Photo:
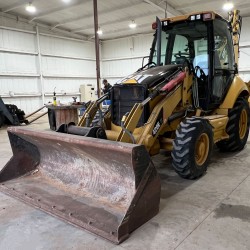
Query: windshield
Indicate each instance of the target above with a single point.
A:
(184, 41)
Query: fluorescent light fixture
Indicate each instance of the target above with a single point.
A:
(132, 25)
(99, 31)
(228, 6)
(30, 8)
(66, 1)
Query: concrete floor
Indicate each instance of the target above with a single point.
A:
(210, 213)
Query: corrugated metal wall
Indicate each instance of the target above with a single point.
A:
(244, 61)
(121, 57)
(64, 64)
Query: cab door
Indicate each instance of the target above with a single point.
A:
(224, 63)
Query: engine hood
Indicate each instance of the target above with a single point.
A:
(150, 77)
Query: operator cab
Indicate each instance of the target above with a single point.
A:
(203, 42)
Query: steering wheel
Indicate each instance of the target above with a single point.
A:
(181, 54)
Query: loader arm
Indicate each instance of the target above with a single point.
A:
(90, 112)
(89, 115)
(172, 93)
(130, 122)
(159, 117)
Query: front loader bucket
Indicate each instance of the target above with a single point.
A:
(106, 187)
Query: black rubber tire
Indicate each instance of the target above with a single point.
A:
(235, 143)
(184, 147)
(1, 120)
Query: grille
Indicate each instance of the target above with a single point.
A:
(123, 99)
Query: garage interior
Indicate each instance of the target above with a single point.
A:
(48, 49)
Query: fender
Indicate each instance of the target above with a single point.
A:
(237, 88)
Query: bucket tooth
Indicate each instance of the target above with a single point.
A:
(108, 188)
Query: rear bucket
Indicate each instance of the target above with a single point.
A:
(105, 187)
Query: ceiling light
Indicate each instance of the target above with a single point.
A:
(66, 1)
(30, 8)
(228, 6)
(99, 31)
(132, 25)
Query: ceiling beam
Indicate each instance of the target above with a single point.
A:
(121, 7)
(157, 7)
(61, 8)
(45, 26)
(14, 6)
(120, 20)
(117, 31)
(169, 9)
(195, 4)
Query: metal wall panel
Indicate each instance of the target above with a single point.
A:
(68, 67)
(142, 44)
(66, 64)
(127, 47)
(244, 60)
(18, 63)
(15, 40)
(120, 68)
(65, 85)
(19, 85)
(65, 88)
(122, 57)
(57, 46)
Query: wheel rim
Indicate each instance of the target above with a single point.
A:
(201, 149)
(243, 124)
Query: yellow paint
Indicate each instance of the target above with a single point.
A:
(219, 124)
(201, 149)
(130, 122)
(237, 87)
(166, 143)
(130, 81)
(168, 104)
(243, 124)
(187, 92)
(187, 17)
(89, 114)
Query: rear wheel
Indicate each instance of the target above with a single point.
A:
(237, 127)
(192, 148)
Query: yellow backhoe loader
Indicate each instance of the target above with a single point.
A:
(187, 98)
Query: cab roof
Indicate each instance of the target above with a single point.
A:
(214, 15)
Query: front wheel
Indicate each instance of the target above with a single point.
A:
(192, 148)
(237, 127)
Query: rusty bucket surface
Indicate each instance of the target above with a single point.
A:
(105, 187)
